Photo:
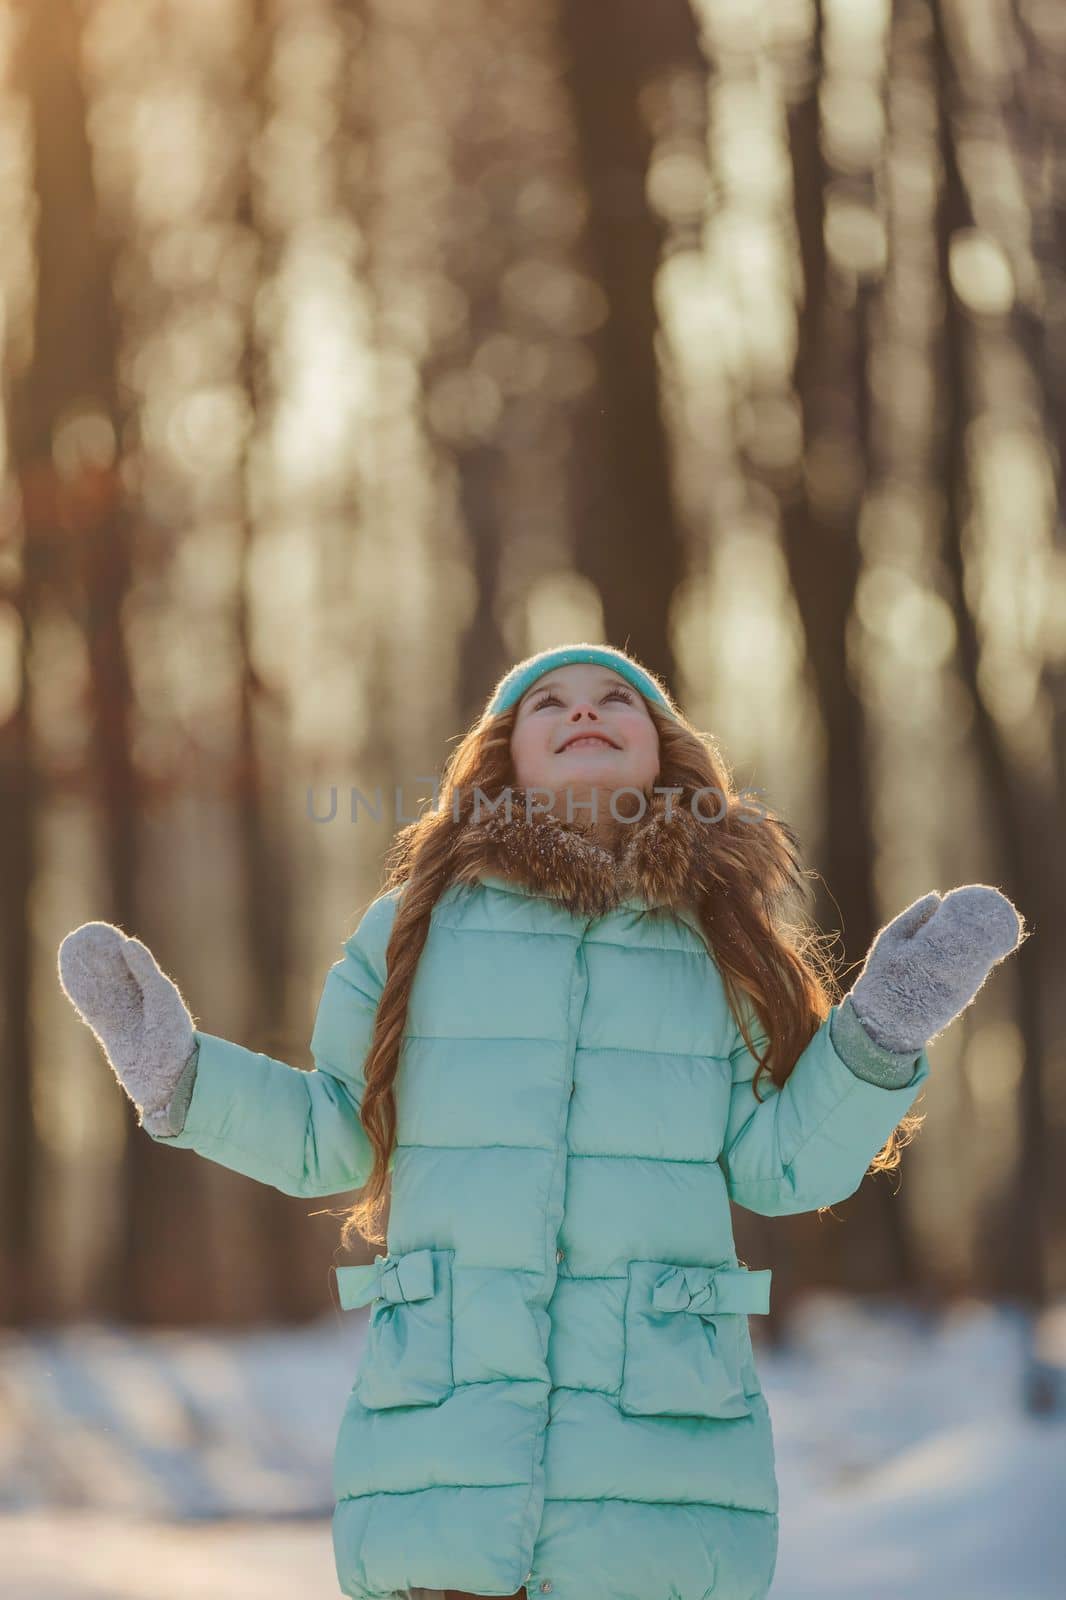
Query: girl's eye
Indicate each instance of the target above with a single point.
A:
(549, 697)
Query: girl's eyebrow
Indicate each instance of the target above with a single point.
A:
(610, 681)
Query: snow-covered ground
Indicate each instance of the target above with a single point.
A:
(172, 1465)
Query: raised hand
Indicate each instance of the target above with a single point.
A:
(928, 965)
(136, 1013)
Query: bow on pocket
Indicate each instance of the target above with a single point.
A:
(408, 1355)
(707, 1291)
(686, 1338)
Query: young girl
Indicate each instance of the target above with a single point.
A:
(572, 1029)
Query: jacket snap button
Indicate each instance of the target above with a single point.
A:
(560, 1255)
(546, 1587)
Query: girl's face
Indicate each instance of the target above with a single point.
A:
(584, 726)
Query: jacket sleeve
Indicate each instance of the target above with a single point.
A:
(298, 1131)
(809, 1143)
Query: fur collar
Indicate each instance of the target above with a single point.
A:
(665, 862)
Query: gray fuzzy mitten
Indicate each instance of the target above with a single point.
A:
(926, 966)
(138, 1017)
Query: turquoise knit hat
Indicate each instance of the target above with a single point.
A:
(513, 685)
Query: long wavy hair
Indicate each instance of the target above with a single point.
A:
(756, 925)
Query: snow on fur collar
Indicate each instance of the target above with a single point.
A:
(664, 860)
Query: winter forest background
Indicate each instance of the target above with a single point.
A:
(352, 349)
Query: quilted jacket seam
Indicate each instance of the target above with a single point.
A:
(633, 1050)
(645, 950)
(573, 934)
(482, 1038)
(584, 1049)
(421, 1144)
(638, 1500)
(634, 1155)
(428, 1488)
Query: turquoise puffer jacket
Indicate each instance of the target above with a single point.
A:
(557, 1388)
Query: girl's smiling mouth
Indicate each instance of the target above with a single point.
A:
(587, 738)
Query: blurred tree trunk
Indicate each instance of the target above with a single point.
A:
(1023, 821)
(480, 461)
(77, 527)
(628, 542)
(1038, 117)
(20, 1148)
(820, 510)
(270, 1281)
(1037, 114)
(821, 500)
(488, 165)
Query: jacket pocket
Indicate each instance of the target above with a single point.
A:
(408, 1356)
(686, 1338)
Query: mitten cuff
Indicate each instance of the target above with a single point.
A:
(170, 1120)
(891, 1069)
